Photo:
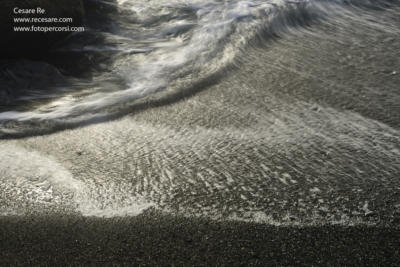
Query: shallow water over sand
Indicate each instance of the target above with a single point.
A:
(299, 126)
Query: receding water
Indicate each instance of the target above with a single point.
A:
(282, 112)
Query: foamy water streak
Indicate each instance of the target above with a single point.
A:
(303, 132)
(33, 182)
(167, 41)
(128, 166)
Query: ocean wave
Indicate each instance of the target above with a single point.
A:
(150, 50)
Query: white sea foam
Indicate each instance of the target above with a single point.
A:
(29, 176)
(88, 209)
(215, 35)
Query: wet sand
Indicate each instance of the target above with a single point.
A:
(153, 239)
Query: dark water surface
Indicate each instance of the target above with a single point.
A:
(278, 112)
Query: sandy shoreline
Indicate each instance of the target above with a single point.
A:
(153, 239)
(304, 131)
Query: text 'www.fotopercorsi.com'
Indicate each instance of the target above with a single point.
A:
(36, 20)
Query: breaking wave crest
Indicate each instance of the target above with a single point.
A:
(146, 51)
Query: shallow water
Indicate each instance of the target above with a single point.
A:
(139, 48)
(282, 112)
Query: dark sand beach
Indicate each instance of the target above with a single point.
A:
(152, 239)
